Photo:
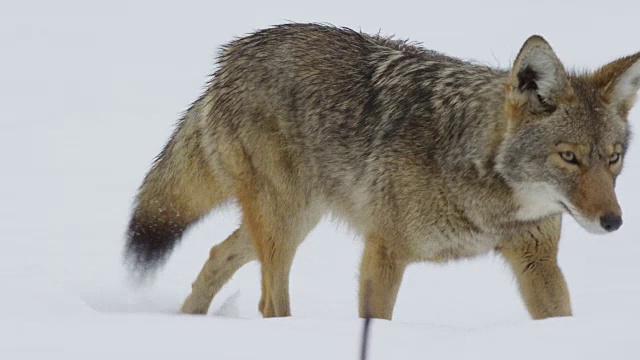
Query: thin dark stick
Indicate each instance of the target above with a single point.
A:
(365, 339)
(367, 322)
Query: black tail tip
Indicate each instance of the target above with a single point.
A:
(148, 246)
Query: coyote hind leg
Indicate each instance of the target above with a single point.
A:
(277, 225)
(224, 260)
(381, 273)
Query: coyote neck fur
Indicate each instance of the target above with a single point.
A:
(456, 122)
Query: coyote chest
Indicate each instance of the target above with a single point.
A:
(454, 244)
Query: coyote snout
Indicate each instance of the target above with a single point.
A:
(593, 202)
(605, 222)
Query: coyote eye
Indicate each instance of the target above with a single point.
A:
(569, 156)
(615, 157)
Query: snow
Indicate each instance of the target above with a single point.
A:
(89, 92)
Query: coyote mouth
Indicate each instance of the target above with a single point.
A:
(568, 209)
(585, 223)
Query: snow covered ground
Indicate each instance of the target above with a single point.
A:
(88, 95)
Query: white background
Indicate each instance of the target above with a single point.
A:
(89, 93)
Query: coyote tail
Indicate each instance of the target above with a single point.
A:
(178, 191)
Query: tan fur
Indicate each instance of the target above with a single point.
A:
(533, 258)
(428, 157)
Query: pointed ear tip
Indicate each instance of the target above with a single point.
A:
(536, 40)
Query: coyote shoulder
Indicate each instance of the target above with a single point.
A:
(428, 157)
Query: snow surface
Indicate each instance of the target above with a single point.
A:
(88, 95)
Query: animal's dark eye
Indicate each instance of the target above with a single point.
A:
(569, 156)
(615, 157)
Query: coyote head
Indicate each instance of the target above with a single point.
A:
(566, 136)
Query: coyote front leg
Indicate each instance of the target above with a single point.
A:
(533, 258)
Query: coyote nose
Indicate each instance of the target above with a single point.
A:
(610, 222)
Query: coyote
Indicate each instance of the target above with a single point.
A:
(428, 157)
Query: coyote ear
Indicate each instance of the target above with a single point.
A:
(620, 81)
(537, 71)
